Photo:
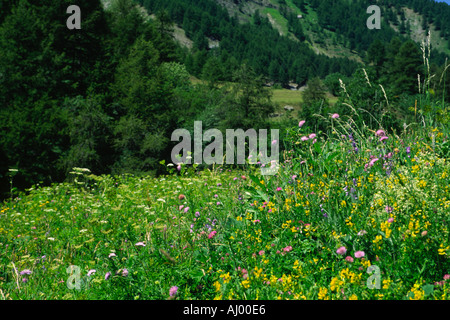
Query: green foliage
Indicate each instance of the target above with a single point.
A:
(213, 71)
(136, 79)
(408, 65)
(314, 92)
(89, 133)
(250, 102)
(140, 146)
(314, 103)
(332, 83)
(40, 67)
(175, 75)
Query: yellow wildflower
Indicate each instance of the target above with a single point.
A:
(246, 283)
(217, 286)
(386, 283)
(323, 294)
(226, 277)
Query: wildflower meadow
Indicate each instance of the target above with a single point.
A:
(352, 213)
(338, 188)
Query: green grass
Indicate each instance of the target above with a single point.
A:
(294, 7)
(284, 97)
(287, 97)
(280, 22)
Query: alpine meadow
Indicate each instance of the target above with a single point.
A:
(314, 162)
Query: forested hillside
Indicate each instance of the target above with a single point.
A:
(337, 24)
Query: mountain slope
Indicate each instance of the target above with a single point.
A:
(296, 40)
(331, 42)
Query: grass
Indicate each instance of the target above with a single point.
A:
(309, 232)
(287, 97)
(284, 97)
(277, 20)
(295, 9)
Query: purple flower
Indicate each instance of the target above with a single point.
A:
(91, 272)
(124, 272)
(341, 250)
(359, 254)
(301, 123)
(362, 232)
(26, 271)
(372, 162)
(212, 234)
(141, 244)
(107, 275)
(173, 291)
(335, 116)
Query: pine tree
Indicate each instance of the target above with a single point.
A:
(43, 62)
(315, 92)
(407, 65)
(212, 71)
(376, 54)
